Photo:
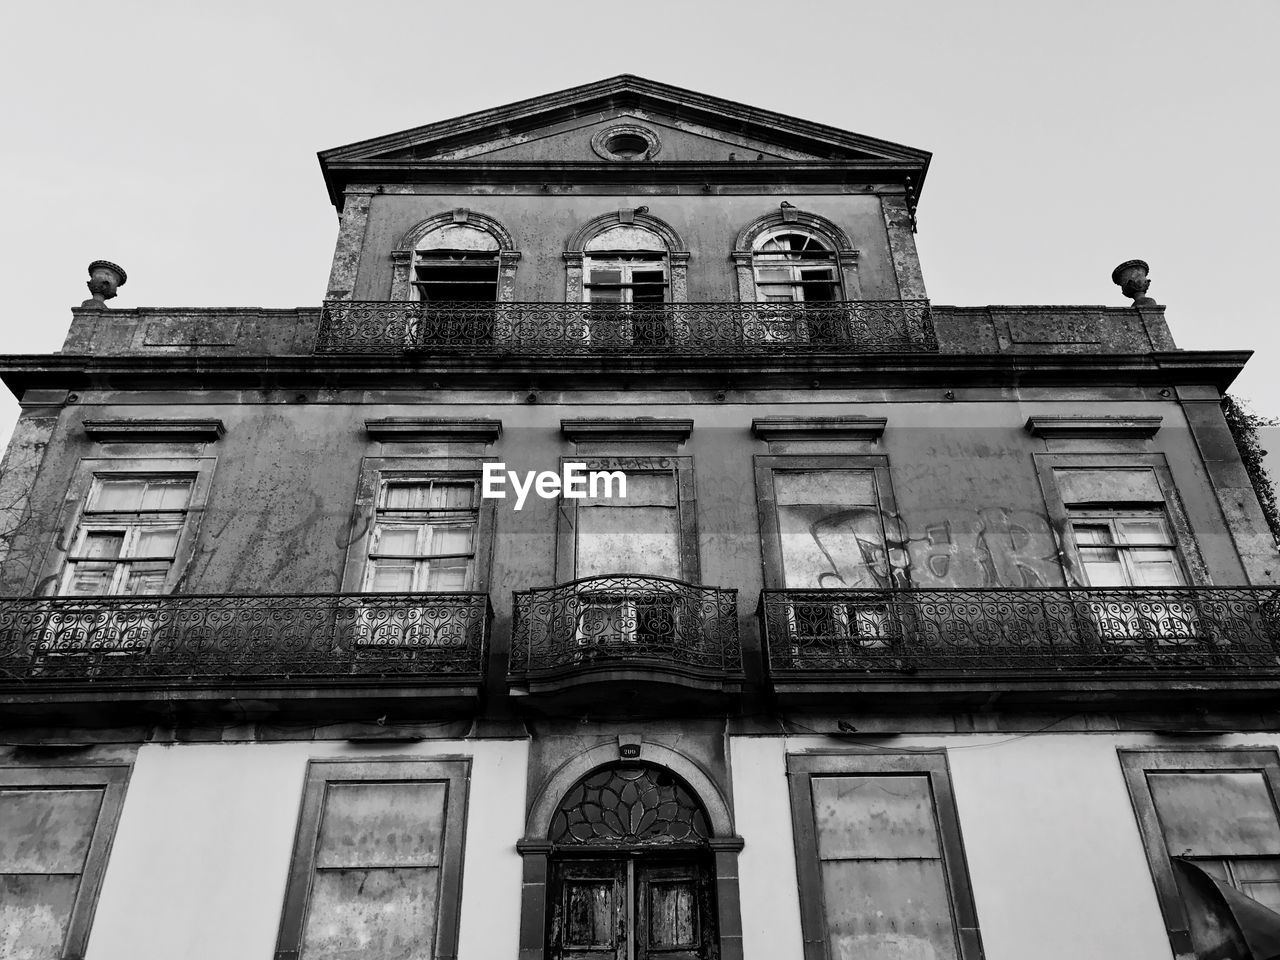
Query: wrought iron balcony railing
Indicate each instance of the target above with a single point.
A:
(1200, 630)
(648, 329)
(215, 640)
(626, 622)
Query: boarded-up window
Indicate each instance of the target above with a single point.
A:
(1225, 821)
(830, 529)
(377, 870)
(1212, 834)
(1079, 486)
(638, 533)
(879, 856)
(55, 829)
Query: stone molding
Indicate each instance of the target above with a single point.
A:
(426, 429)
(818, 428)
(632, 428)
(1077, 428)
(148, 430)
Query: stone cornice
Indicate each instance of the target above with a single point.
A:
(630, 428)
(538, 173)
(818, 428)
(944, 371)
(1075, 428)
(423, 429)
(146, 430)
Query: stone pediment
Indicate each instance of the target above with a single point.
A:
(625, 118)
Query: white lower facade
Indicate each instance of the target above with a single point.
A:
(202, 851)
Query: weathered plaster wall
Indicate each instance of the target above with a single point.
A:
(203, 847)
(21, 540)
(971, 512)
(541, 224)
(207, 831)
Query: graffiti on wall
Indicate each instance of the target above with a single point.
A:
(860, 547)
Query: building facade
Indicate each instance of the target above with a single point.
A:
(628, 561)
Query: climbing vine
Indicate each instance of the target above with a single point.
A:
(1244, 424)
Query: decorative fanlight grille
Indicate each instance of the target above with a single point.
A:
(629, 804)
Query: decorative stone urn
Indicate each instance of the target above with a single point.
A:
(1131, 278)
(104, 278)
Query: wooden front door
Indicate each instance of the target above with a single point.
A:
(632, 906)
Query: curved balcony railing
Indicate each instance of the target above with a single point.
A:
(218, 639)
(625, 622)
(1200, 630)
(648, 329)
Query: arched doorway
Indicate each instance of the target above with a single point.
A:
(631, 869)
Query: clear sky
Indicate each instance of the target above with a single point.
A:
(178, 139)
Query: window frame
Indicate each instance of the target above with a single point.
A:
(430, 519)
(374, 471)
(113, 779)
(1059, 513)
(686, 511)
(801, 767)
(455, 771)
(1126, 552)
(471, 260)
(1135, 764)
(131, 524)
(766, 465)
(762, 259)
(199, 469)
(627, 263)
(794, 220)
(403, 258)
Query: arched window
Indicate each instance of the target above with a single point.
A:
(795, 266)
(626, 263)
(459, 255)
(792, 256)
(456, 263)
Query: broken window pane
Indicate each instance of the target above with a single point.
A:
(103, 545)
